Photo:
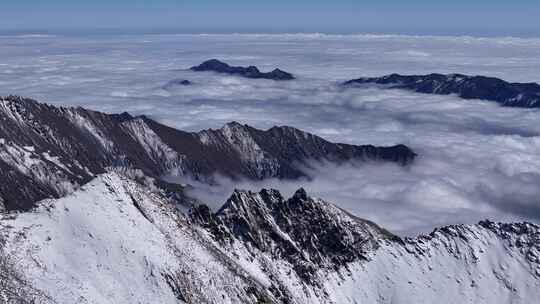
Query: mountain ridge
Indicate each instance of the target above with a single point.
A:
(115, 240)
(49, 151)
(523, 95)
(214, 65)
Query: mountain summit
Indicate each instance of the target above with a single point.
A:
(217, 66)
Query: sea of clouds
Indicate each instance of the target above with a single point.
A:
(476, 159)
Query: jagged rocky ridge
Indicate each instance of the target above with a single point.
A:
(48, 151)
(310, 234)
(214, 65)
(525, 95)
(115, 241)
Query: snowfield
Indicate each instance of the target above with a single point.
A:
(115, 241)
(110, 242)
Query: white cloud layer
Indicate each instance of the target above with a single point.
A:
(477, 160)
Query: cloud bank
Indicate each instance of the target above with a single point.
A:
(477, 160)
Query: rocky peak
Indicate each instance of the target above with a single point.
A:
(300, 195)
(19, 109)
(278, 74)
(217, 66)
(211, 64)
(122, 117)
(309, 233)
(17, 99)
(234, 125)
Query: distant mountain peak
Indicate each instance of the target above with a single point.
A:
(217, 66)
(525, 95)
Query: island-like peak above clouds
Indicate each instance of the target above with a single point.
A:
(46, 151)
(214, 65)
(524, 95)
(176, 83)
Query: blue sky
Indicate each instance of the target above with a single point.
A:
(495, 16)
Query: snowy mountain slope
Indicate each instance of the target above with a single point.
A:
(350, 260)
(115, 241)
(47, 151)
(484, 263)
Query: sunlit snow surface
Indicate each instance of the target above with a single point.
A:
(477, 160)
(113, 241)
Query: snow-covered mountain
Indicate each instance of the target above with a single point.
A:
(86, 218)
(118, 241)
(523, 95)
(48, 151)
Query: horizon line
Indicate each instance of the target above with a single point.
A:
(382, 34)
(169, 30)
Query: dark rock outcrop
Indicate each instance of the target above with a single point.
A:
(525, 95)
(309, 233)
(214, 65)
(176, 83)
(240, 151)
